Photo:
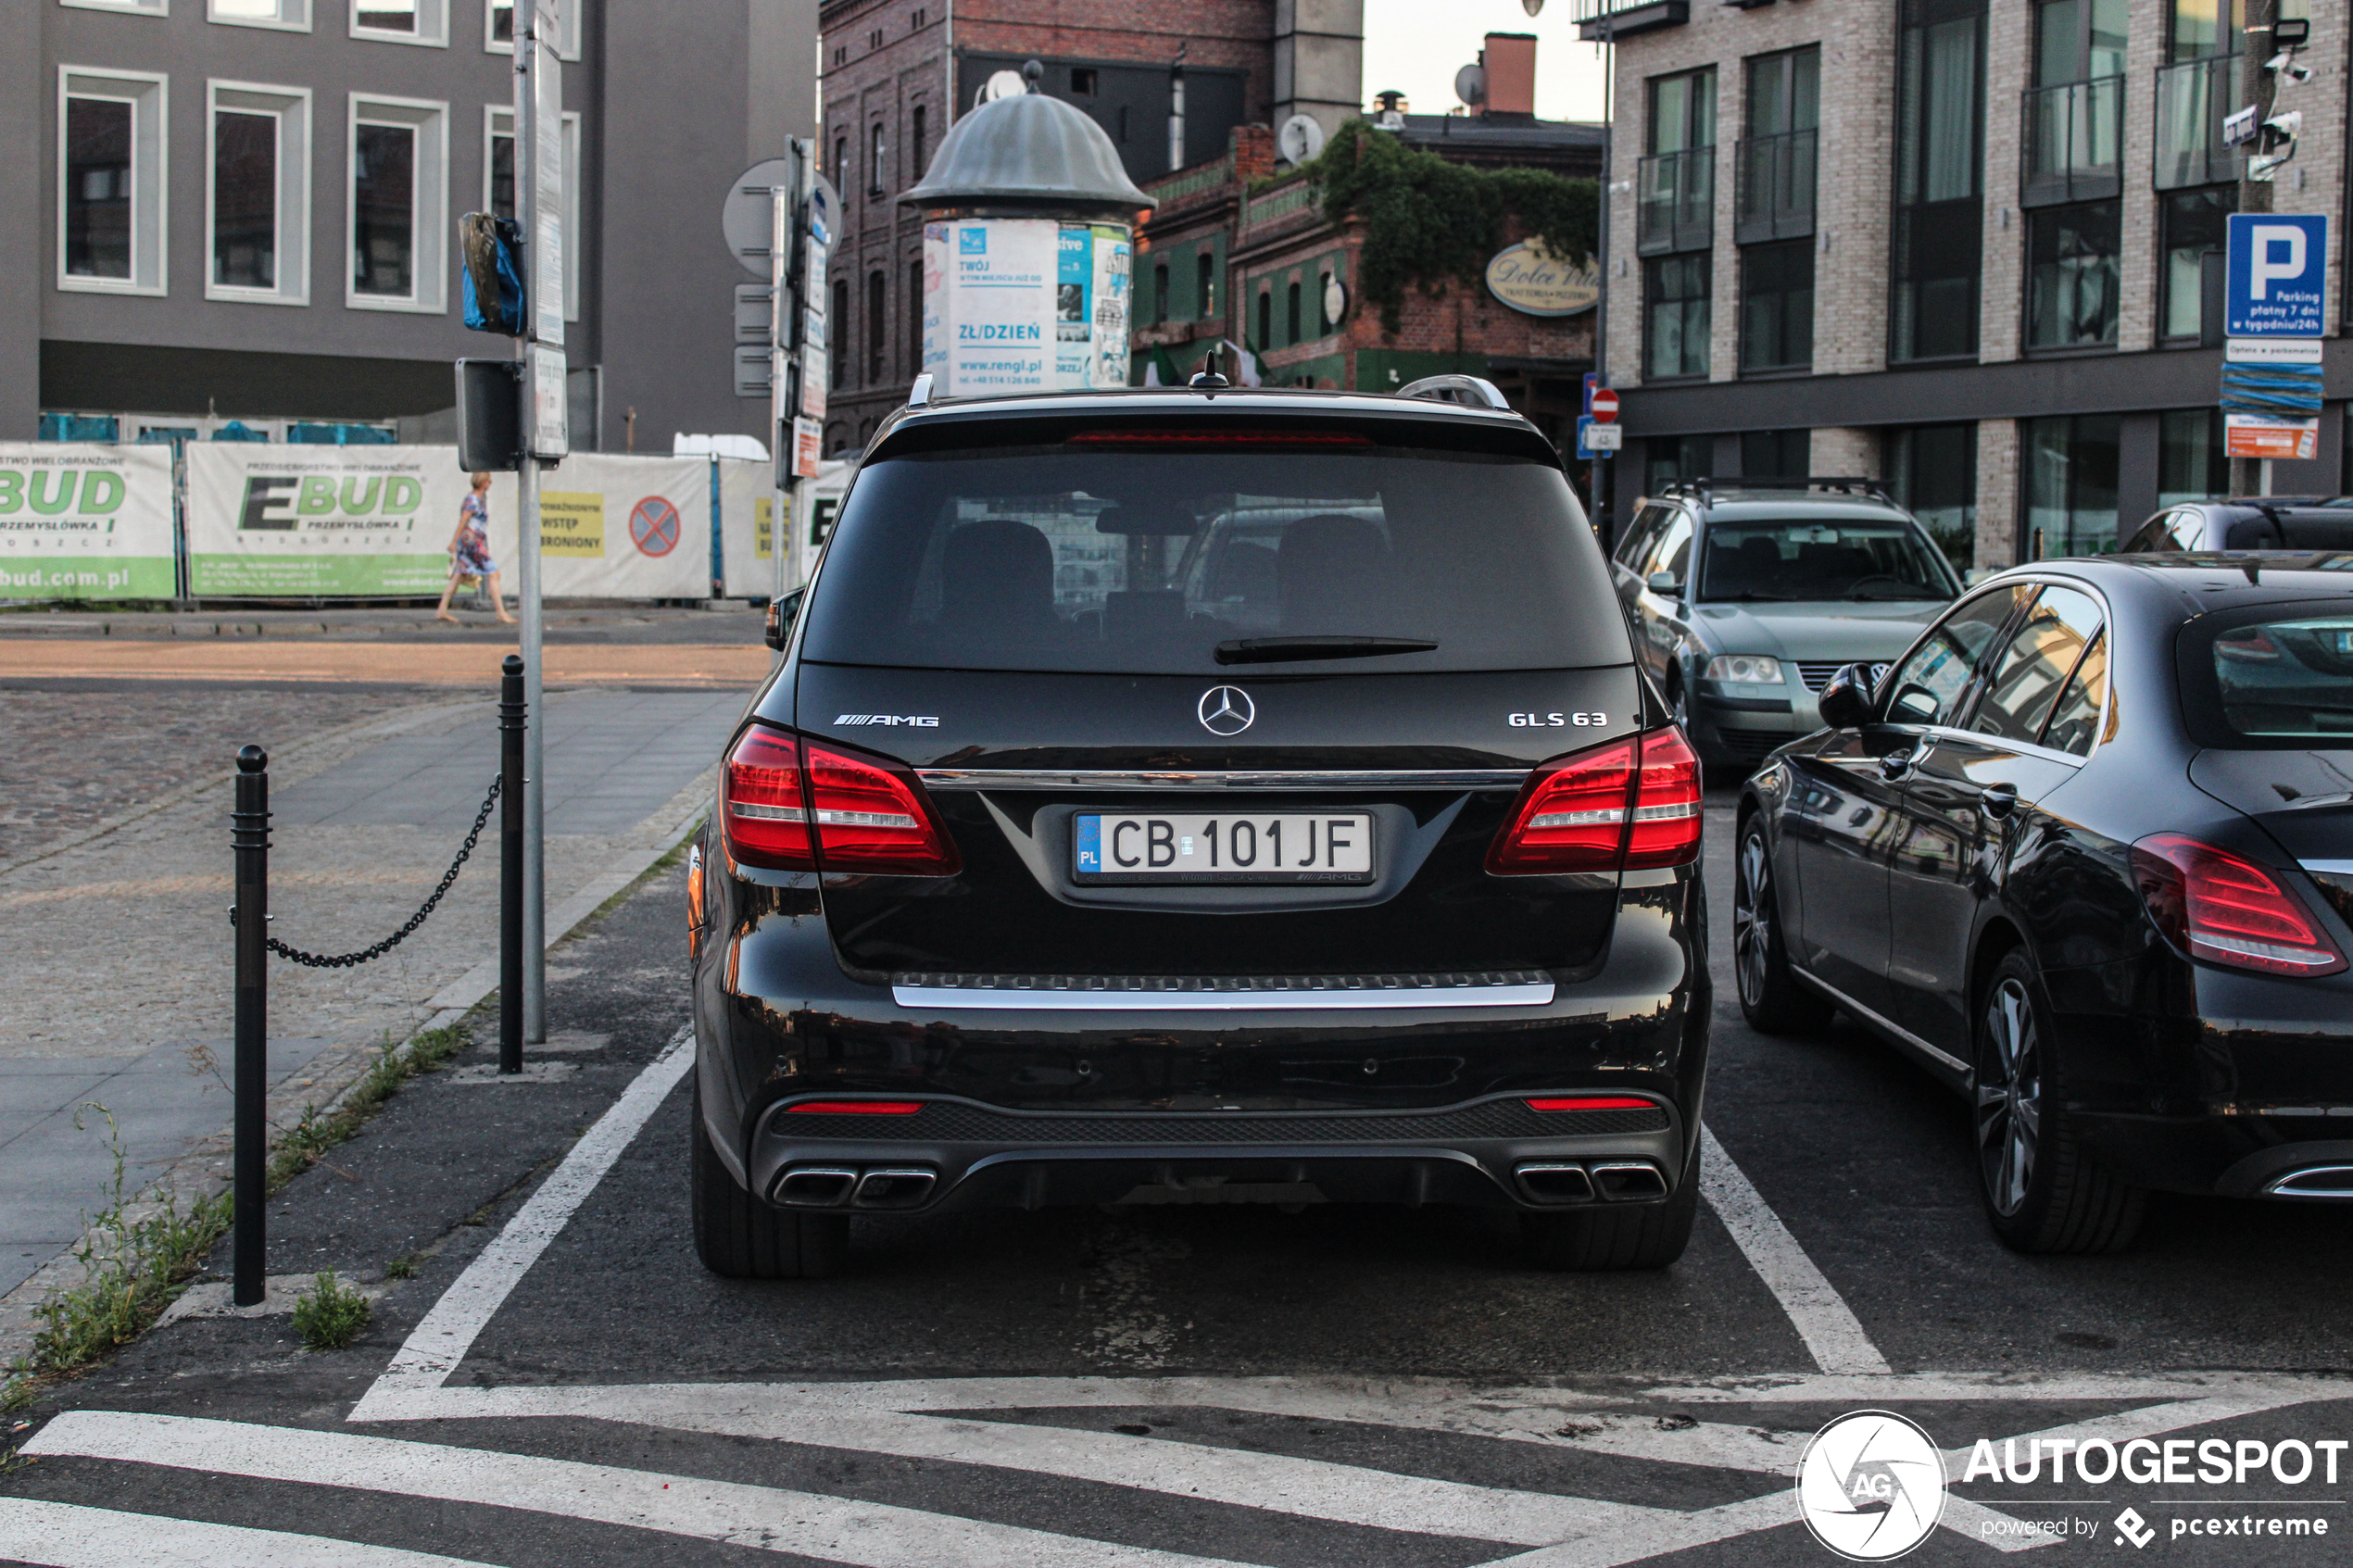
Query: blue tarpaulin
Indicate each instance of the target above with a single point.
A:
(2283, 391)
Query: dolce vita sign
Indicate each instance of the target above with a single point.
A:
(1523, 277)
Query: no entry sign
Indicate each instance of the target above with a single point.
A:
(1605, 405)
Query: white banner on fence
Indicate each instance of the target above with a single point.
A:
(746, 495)
(377, 521)
(84, 521)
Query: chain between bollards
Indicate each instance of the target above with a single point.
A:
(249, 836)
(513, 713)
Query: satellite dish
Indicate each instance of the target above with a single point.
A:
(1004, 85)
(1470, 85)
(1301, 138)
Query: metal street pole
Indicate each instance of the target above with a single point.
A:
(2251, 476)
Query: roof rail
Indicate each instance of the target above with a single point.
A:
(1457, 389)
(919, 395)
(1702, 490)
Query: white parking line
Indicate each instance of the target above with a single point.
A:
(770, 1518)
(1820, 1316)
(439, 1342)
(61, 1535)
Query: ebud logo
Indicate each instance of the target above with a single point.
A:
(1871, 1485)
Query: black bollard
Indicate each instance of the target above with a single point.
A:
(511, 715)
(249, 836)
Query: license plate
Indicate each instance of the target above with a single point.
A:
(1286, 847)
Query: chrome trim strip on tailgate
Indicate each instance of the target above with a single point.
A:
(1059, 778)
(2329, 868)
(1155, 992)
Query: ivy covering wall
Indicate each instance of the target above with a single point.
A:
(1429, 223)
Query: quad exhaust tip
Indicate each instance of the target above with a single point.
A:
(1612, 1181)
(2324, 1182)
(837, 1186)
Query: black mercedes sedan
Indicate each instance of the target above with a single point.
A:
(1202, 795)
(2086, 853)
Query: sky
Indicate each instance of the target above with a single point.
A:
(1417, 47)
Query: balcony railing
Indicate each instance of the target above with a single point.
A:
(1675, 201)
(2191, 103)
(2074, 142)
(1773, 195)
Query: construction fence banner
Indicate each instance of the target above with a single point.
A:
(86, 521)
(378, 522)
(747, 498)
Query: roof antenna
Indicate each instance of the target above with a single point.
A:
(1033, 73)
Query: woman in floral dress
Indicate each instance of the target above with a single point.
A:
(470, 551)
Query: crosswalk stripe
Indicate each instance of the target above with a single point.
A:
(1308, 1488)
(772, 1519)
(440, 1341)
(64, 1534)
(1816, 1309)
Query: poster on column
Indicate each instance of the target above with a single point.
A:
(1113, 264)
(614, 527)
(1003, 276)
(321, 521)
(86, 521)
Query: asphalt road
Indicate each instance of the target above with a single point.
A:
(560, 1382)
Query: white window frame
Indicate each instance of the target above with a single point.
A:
(291, 107)
(499, 119)
(433, 26)
(567, 28)
(429, 203)
(293, 16)
(149, 95)
(135, 7)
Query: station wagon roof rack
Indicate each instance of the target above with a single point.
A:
(1702, 490)
(1478, 394)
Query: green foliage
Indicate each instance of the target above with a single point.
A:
(331, 1314)
(1428, 222)
(300, 1147)
(403, 1267)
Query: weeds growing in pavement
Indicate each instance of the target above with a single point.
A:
(300, 1146)
(331, 1314)
(402, 1267)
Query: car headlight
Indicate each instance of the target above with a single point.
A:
(1746, 668)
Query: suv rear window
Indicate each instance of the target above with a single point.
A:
(2283, 677)
(1833, 558)
(1144, 562)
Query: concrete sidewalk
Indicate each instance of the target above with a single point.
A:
(120, 959)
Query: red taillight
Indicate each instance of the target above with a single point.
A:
(1624, 804)
(868, 815)
(760, 809)
(872, 818)
(1593, 1102)
(2218, 907)
(857, 1108)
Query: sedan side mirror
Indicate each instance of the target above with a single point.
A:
(1666, 584)
(782, 613)
(1845, 702)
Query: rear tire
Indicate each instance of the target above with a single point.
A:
(2043, 1191)
(1615, 1237)
(739, 1237)
(1772, 998)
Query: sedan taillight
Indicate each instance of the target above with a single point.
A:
(2218, 907)
(1624, 804)
(869, 815)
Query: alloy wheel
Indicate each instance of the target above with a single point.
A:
(1752, 919)
(2009, 1096)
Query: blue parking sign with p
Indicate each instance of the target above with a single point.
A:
(2277, 274)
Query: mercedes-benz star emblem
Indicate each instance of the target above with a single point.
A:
(1225, 710)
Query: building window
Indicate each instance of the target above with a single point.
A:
(2193, 233)
(1082, 82)
(838, 333)
(877, 326)
(1776, 453)
(2190, 465)
(141, 7)
(293, 16)
(402, 21)
(1266, 321)
(257, 194)
(874, 160)
(1932, 472)
(1675, 185)
(918, 144)
(498, 28)
(1939, 159)
(2074, 111)
(498, 187)
(1675, 296)
(1777, 306)
(2071, 486)
(398, 159)
(1775, 163)
(1205, 283)
(1159, 294)
(2072, 276)
(2195, 89)
(841, 163)
(1678, 457)
(1291, 313)
(111, 181)
(915, 314)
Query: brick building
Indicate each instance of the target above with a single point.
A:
(1991, 295)
(1169, 83)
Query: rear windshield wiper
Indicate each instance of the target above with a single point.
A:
(1288, 650)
